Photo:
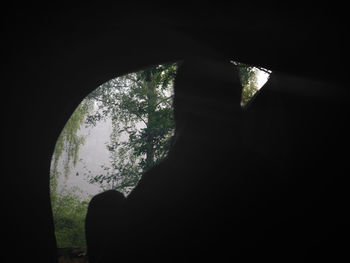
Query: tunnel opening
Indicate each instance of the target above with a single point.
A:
(120, 130)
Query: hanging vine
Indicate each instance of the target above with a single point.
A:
(69, 142)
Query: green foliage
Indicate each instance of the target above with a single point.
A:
(69, 213)
(69, 141)
(140, 107)
(248, 79)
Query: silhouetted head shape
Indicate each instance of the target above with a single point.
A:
(206, 89)
(104, 212)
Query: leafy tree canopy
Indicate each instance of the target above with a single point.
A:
(140, 107)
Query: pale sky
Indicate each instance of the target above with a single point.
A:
(262, 77)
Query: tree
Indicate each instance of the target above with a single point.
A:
(140, 107)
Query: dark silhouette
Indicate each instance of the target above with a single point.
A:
(104, 214)
(202, 201)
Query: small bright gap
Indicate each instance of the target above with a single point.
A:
(252, 79)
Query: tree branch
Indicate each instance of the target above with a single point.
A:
(138, 116)
(165, 99)
(113, 105)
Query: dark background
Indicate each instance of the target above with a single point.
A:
(54, 55)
